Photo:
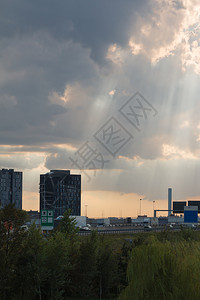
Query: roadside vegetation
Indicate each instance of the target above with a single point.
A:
(64, 265)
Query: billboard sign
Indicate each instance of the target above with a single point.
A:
(194, 203)
(191, 214)
(178, 207)
(47, 219)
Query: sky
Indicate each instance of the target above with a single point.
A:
(106, 89)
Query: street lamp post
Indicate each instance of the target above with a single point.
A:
(153, 207)
(140, 207)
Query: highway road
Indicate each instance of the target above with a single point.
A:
(126, 230)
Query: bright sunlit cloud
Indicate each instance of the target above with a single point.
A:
(173, 152)
(158, 40)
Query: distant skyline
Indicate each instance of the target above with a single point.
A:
(68, 69)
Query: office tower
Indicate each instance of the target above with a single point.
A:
(59, 191)
(10, 188)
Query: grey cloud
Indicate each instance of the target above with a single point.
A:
(40, 55)
(20, 162)
(47, 45)
(29, 106)
(150, 179)
(95, 24)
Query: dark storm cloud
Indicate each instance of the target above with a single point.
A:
(30, 70)
(46, 45)
(50, 50)
(95, 24)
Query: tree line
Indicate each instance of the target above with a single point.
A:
(61, 265)
(164, 266)
(64, 265)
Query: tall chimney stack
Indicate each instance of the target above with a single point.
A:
(169, 201)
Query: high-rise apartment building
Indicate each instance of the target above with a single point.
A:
(10, 188)
(59, 191)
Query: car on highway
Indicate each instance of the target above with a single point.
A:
(147, 228)
(84, 228)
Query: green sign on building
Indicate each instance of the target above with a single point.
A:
(47, 219)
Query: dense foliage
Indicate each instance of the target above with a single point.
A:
(165, 266)
(64, 265)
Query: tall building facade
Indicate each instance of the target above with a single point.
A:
(59, 191)
(10, 188)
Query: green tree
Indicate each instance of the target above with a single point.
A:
(11, 238)
(106, 269)
(30, 267)
(163, 270)
(96, 268)
(86, 271)
(57, 266)
(123, 257)
(67, 225)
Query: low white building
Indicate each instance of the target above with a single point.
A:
(175, 219)
(81, 221)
